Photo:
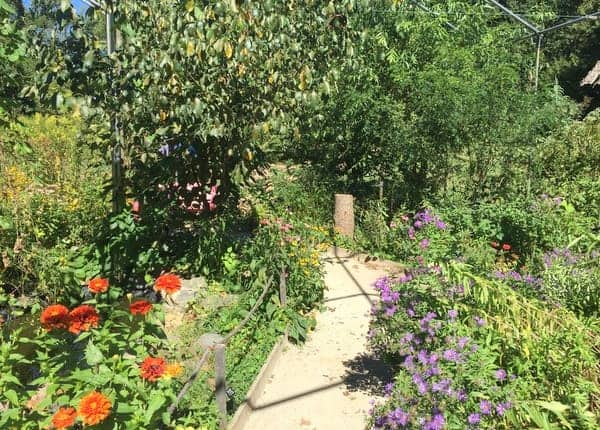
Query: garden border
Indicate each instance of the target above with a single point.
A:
(240, 418)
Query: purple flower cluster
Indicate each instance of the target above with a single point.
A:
(512, 275)
(421, 219)
(561, 256)
(389, 297)
(431, 378)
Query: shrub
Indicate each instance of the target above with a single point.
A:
(442, 299)
(51, 201)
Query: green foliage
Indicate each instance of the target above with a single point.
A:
(430, 110)
(551, 352)
(12, 51)
(208, 80)
(43, 370)
(567, 164)
(51, 200)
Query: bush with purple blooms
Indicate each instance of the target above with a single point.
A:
(449, 377)
(479, 346)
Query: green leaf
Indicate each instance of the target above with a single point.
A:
(7, 7)
(154, 405)
(93, 355)
(5, 223)
(11, 395)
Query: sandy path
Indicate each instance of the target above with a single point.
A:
(327, 383)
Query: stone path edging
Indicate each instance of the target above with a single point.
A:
(240, 418)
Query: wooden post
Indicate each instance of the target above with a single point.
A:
(220, 385)
(283, 288)
(283, 297)
(344, 214)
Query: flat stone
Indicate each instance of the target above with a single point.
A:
(191, 290)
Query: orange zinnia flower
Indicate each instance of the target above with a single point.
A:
(169, 283)
(141, 307)
(153, 368)
(55, 316)
(94, 408)
(173, 370)
(64, 418)
(98, 285)
(82, 318)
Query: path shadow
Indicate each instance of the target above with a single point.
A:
(368, 374)
(344, 260)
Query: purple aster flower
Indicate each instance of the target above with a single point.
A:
(501, 375)
(437, 422)
(515, 275)
(424, 244)
(423, 357)
(440, 224)
(399, 417)
(441, 386)
(479, 321)
(418, 224)
(499, 275)
(388, 389)
(474, 419)
(452, 314)
(503, 407)
(461, 396)
(462, 342)
(390, 311)
(433, 359)
(485, 406)
(411, 233)
(451, 355)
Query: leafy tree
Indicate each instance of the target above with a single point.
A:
(197, 88)
(435, 102)
(12, 50)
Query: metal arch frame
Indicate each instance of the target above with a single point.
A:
(540, 33)
(116, 162)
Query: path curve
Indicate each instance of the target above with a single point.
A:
(327, 383)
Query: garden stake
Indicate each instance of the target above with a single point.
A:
(220, 385)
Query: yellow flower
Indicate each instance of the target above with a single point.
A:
(172, 370)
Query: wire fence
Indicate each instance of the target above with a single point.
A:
(218, 346)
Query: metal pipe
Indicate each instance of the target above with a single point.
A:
(592, 16)
(426, 9)
(117, 168)
(515, 16)
(537, 60)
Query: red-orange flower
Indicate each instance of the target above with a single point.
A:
(98, 285)
(506, 247)
(82, 318)
(169, 283)
(55, 316)
(64, 418)
(153, 368)
(94, 408)
(141, 307)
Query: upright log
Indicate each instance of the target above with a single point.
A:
(344, 214)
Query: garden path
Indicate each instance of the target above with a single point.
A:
(327, 383)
